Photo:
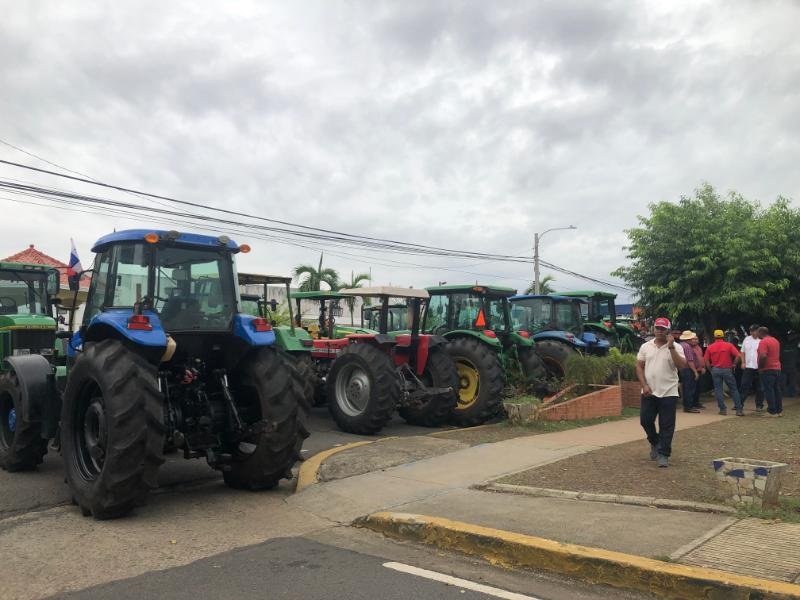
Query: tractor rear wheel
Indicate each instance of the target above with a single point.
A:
(112, 429)
(21, 445)
(481, 381)
(363, 389)
(269, 387)
(308, 374)
(554, 355)
(532, 365)
(440, 371)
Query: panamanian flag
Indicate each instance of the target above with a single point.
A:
(74, 268)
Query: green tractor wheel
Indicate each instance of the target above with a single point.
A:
(268, 387)
(21, 445)
(440, 371)
(481, 381)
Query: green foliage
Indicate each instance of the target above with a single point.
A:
(311, 279)
(586, 370)
(788, 511)
(355, 282)
(545, 285)
(718, 261)
(622, 365)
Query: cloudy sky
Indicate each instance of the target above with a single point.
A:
(465, 125)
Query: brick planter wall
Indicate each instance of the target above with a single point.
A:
(631, 394)
(605, 402)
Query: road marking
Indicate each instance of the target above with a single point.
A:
(455, 581)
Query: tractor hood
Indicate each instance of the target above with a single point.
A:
(27, 322)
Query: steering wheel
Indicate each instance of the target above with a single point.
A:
(7, 305)
(440, 330)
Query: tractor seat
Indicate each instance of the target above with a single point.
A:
(180, 312)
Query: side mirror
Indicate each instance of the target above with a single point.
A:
(273, 304)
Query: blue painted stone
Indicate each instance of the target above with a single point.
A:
(763, 471)
(718, 464)
(736, 473)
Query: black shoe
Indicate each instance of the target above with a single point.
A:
(691, 410)
(723, 412)
(653, 452)
(739, 413)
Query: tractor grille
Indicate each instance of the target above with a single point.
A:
(33, 340)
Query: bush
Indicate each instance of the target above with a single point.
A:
(584, 370)
(622, 365)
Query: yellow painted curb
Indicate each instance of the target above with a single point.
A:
(309, 470)
(595, 565)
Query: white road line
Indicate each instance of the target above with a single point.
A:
(455, 581)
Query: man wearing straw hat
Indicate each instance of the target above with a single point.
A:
(690, 374)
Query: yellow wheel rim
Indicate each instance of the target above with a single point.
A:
(468, 384)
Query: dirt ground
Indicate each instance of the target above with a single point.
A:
(627, 468)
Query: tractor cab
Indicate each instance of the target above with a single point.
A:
(330, 308)
(27, 323)
(480, 308)
(397, 320)
(600, 317)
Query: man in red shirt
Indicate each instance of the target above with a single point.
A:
(721, 358)
(769, 371)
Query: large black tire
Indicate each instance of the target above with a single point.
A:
(440, 371)
(112, 429)
(363, 389)
(533, 368)
(308, 375)
(269, 387)
(21, 445)
(481, 381)
(554, 355)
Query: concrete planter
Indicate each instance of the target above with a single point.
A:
(747, 481)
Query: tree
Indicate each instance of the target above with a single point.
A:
(545, 286)
(311, 279)
(355, 282)
(717, 261)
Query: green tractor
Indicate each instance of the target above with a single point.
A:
(163, 358)
(293, 340)
(600, 318)
(330, 307)
(475, 320)
(27, 329)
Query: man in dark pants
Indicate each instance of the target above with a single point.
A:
(689, 376)
(769, 371)
(750, 369)
(657, 367)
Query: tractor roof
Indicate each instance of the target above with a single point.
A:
(590, 293)
(14, 266)
(253, 279)
(556, 297)
(493, 290)
(184, 239)
(387, 292)
(321, 295)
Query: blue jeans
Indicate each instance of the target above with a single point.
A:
(687, 387)
(770, 381)
(725, 375)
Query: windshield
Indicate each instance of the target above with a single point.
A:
(23, 293)
(496, 314)
(249, 305)
(568, 317)
(602, 309)
(532, 314)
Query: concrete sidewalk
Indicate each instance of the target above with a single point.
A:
(441, 488)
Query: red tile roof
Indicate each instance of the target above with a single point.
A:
(36, 257)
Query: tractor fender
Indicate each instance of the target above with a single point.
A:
(560, 336)
(520, 340)
(117, 320)
(243, 328)
(491, 341)
(436, 340)
(36, 381)
(299, 341)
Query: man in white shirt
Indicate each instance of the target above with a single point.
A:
(750, 369)
(657, 367)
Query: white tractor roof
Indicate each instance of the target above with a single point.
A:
(387, 291)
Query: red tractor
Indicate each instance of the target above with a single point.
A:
(372, 374)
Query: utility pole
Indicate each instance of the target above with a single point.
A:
(536, 237)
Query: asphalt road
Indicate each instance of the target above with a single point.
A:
(45, 487)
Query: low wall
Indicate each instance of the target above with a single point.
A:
(606, 401)
(631, 394)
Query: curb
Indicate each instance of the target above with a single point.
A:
(594, 565)
(526, 490)
(309, 470)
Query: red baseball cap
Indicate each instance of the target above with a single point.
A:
(663, 322)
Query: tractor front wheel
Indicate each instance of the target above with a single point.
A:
(554, 355)
(363, 389)
(21, 445)
(481, 381)
(269, 388)
(440, 372)
(112, 429)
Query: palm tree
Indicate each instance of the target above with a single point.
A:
(355, 282)
(545, 286)
(311, 279)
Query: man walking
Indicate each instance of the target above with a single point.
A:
(721, 358)
(657, 367)
(689, 376)
(769, 371)
(750, 369)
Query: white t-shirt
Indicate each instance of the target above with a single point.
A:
(660, 371)
(750, 350)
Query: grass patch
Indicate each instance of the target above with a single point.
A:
(788, 511)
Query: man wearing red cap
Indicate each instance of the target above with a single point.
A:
(657, 367)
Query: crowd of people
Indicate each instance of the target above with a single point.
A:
(673, 365)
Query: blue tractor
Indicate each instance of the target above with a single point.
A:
(164, 358)
(556, 326)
